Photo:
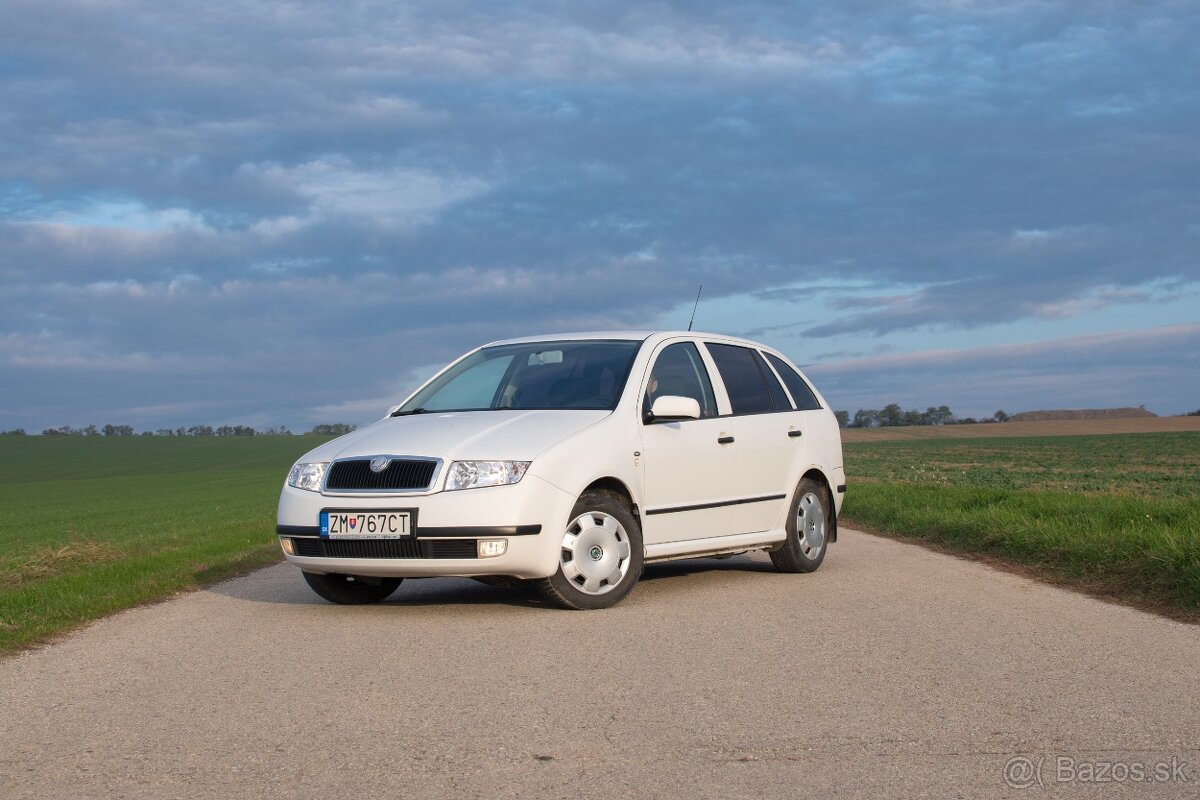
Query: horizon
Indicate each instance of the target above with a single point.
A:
(341, 428)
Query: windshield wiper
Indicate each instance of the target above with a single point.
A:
(413, 411)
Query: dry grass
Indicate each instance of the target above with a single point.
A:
(1067, 427)
(1082, 413)
(45, 562)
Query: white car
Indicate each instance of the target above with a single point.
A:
(573, 460)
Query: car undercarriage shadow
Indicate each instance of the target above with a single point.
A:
(700, 566)
(283, 585)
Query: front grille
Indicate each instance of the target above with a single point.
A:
(402, 474)
(385, 548)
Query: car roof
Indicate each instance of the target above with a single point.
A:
(629, 336)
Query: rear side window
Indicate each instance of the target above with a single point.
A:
(804, 397)
(748, 393)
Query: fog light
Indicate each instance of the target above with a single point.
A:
(490, 548)
(287, 546)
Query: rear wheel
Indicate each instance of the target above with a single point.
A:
(351, 590)
(808, 529)
(600, 557)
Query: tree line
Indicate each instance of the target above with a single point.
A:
(890, 415)
(893, 415)
(335, 429)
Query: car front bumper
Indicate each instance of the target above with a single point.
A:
(529, 515)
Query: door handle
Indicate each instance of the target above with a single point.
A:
(725, 440)
(795, 434)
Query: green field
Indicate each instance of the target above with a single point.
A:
(91, 525)
(1116, 514)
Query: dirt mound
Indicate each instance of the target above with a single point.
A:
(1083, 413)
(1064, 427)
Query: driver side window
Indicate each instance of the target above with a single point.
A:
(679, 371)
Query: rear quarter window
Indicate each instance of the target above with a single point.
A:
(801, 393)
(778, 397)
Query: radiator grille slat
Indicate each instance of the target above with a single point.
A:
(371, 548)
(385, 548)
(453, 548)
(402, 474)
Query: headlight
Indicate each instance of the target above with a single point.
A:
(473, 474)
(307, 476)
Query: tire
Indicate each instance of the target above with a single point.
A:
(350, 590)
(600, 558)
(809, 525)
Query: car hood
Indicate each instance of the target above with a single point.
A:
(460, 435)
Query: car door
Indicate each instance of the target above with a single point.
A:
(768, 433)
(688, 466)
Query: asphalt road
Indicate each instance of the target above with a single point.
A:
(891, 672)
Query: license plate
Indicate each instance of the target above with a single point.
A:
(366, 524)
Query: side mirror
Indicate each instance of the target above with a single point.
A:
(671, 406)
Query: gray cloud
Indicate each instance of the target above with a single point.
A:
(1153, 367)
(199, 199)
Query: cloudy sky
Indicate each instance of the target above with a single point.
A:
(283, 212)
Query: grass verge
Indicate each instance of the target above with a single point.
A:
(90, 526)
(1121, 520)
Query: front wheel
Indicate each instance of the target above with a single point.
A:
(600, 555)
(807, 530)
(351, 590)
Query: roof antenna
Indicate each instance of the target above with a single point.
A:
(693, 319)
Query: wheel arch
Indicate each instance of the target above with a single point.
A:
(618, 487)
(819, 476)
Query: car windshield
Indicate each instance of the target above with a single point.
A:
(584, 374)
